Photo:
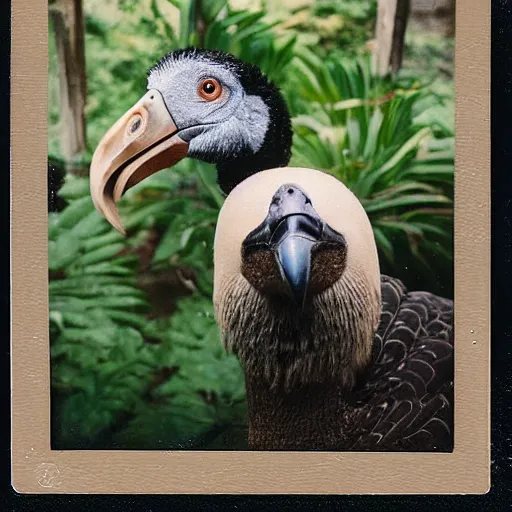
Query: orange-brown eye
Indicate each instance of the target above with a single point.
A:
(210, 89)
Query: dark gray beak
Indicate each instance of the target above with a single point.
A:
(292, 231)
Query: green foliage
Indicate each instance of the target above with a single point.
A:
(206, 391)
(329, 25)
(389, 147)
(111, 364)
(135, 367)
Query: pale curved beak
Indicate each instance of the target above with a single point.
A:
(142, 142)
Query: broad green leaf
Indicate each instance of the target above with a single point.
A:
(410, 201)
(63, 251)
(410, 145)
(432, 228)
(75, 212)
(410, 229)
(348, 104)
(113, 269)
(373, 134)
(396, 190)
(102, 254)
(96, 242)
(92, 225)
(430, 170)
(170, 242)
(74, 188)
(384, 244)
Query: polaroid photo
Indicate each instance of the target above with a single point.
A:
(251, 246)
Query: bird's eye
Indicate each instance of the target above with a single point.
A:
(210, 89)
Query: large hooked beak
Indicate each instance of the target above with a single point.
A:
(293, 231)
(143, 141)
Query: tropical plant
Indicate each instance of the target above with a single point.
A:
(248, 34)
(112, 365)
(329, 25)
(385, 143)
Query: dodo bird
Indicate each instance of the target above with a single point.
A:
(336, 356)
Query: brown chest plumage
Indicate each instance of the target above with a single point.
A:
(403, 401)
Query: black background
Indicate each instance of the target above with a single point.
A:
(500, 495)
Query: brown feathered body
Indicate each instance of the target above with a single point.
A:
(401, 401)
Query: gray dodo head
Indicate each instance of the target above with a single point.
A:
(202, 104)
(213, 111)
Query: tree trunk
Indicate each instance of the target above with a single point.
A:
(401, 17)
(68, 26)
(392, 16)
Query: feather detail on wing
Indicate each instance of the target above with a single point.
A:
(406, 402)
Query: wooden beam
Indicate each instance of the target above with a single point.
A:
(68, 27)
(403, 8)
(392, 16)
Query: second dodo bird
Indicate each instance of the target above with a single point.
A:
(336, 356)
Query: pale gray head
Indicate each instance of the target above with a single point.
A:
(221, 128)
(297, 280)
(200, 103)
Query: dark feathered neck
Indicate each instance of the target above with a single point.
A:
(276, 148)
(310, 418)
